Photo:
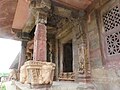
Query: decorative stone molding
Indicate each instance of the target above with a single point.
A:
(37, 73)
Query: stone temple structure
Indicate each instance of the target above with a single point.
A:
(65, 40)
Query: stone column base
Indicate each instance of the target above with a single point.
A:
(38, 73)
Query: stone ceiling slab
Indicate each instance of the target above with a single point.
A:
(7, 11)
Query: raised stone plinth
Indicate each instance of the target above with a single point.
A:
(37, 73)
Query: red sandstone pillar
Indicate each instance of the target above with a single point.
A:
(39, 53)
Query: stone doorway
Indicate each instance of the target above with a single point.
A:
(67, 57)
(66, 73)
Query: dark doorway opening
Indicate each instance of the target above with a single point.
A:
(67, 57)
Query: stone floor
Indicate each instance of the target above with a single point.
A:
(62, 85)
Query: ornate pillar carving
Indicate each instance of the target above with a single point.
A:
(40, 9)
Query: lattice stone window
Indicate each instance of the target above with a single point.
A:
(113, 43)
(111, 19)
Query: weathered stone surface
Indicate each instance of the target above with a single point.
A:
(106, 79)
(94, 41)
(93, 32)
(96, 62)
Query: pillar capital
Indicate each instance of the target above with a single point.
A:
(40, 9)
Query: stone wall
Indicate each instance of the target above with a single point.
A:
(80, 51)
(94, 42)
(103, 78)
(97, 72)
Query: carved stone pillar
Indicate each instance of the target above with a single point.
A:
(40, 9)
(22, 58)
(35, 72)
(40, 43)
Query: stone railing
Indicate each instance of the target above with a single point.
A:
(37, 73)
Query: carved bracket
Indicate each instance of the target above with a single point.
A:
(40, 9)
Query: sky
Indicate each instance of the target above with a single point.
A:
(8, 52)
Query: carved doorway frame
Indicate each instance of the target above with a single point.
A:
(62, 75)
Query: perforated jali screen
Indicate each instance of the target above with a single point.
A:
(111, 21)
(113, 43)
